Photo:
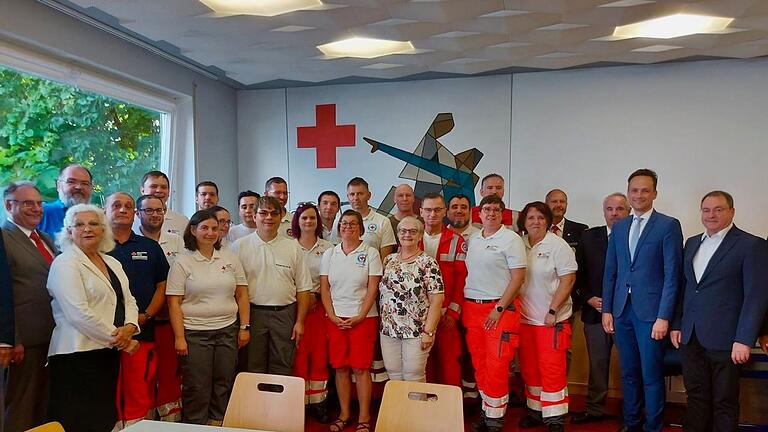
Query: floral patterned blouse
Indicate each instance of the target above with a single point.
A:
(403, 295)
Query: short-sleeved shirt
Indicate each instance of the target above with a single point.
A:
(348, 277)
(172, 244)
(404, 295)
(53, 218)
(312, 258)
(239, 231)
(548, 259)
(144, 263)
(285, 226)
(208, 287)
(275, 270)
(489, 260)
(173, 222)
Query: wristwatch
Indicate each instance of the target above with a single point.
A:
(552, 312)
(428, 333)
(245, 327)
(148, 317)
(499, 308)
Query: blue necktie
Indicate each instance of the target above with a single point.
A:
(634, 235)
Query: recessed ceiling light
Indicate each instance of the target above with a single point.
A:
(259, 7)
(673, 26)
(365, 47)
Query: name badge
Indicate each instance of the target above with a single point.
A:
(139, 256)
(491, 247)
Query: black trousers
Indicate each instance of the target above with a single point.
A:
(83, 390)
(712, 386)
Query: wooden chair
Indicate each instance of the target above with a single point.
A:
(263, 401)
(48, 427)
(420, 407)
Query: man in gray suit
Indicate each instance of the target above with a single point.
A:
(29, 254)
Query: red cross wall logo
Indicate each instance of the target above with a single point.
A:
(325, 136)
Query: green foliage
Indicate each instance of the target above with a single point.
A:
(45, 125)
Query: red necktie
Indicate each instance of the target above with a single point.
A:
(41, 247)
(555, 229)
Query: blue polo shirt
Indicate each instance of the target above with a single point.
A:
(144, 263)
(53, 218)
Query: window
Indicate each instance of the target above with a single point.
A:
(45, 125)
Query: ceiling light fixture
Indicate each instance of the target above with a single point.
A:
(365, 48)
(673, 26)
(259, 7)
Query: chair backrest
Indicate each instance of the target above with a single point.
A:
(48, 427)
(263, 401)
(420, 407)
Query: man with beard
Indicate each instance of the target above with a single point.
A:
(458, 216)
(75, 186)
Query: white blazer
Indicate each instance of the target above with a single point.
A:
(84, 302)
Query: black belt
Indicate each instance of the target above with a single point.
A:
(272, 308)
(480, 301)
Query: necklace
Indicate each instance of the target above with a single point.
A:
(401, 258)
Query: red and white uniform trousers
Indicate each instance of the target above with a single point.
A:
(136, 385)
(543, 366)
(311, 360)
(168, 401)
(492, 351)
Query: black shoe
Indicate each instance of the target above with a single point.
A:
(320, 412)
(528, 422)
(514, 400)
(625, 428)
(585, 417)
(556, 427)
(479, 425)
(494, 428)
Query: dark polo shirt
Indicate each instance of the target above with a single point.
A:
(144, 263)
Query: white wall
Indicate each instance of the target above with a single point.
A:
(700, 125)
(31, 25)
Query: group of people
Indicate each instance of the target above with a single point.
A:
(97, 325)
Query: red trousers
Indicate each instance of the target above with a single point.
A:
(491, 351)
(543, 366)
(168, 374)
(444, 362)
(311, 360)
(136, 384)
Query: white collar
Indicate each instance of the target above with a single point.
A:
(718, 235)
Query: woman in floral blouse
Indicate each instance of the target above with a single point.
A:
(410, 298)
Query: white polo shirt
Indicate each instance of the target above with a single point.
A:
(208, 287)
(489, 260)
(348, 277)
(173, 222)
(378, 231)
(275, 270)
(172, 245)
(239, 231)
(285, 226)
(312, 258)
(549, 259)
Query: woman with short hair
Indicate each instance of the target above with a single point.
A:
(349, 279)
(410, 299)
(96, 317)
(545, 332)
(208, 302)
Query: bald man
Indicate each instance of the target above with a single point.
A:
(404, 199)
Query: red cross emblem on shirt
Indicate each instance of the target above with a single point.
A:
(325, 136)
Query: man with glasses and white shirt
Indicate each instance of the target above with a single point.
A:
(156, 184)
(75, 186)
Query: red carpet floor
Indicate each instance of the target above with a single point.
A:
(673, 415)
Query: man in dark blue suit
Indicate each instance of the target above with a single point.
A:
(725, 273)
(642, 278)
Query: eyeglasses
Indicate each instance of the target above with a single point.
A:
(153, 211)
(491, 210)
(225, 222)
(265, 213)
(74, 182)
(433, 210)
(27, 203)
(404, 231)
(346, 224)
(81, 225)
(717, 210)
